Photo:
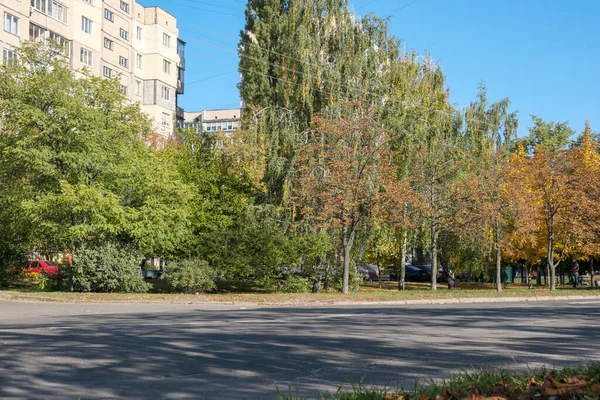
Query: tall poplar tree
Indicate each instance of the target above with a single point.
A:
(300, 57)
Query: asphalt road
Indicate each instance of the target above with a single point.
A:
(169, 351)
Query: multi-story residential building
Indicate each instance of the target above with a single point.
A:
(119, 39)
(214, 120)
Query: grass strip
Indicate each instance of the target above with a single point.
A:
(567, 383)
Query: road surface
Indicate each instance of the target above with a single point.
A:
(194, 351)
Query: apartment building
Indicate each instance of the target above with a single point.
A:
(227, 120)
(119, 39)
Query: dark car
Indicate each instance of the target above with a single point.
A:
(371, 272)
(411, 274)
(151, 274)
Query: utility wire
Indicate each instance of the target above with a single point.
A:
(402, 8)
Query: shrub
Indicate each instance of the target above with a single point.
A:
(190, 276)
(295, 284)
(108, 267)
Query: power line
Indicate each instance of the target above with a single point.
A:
(293, 71)
(402, 8)
(210, 77)
(356, 89)
(367, 4)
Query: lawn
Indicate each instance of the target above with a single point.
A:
(370, 292)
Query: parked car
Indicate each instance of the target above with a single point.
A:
(371, 272)
(411, 274)
(42, 266)
(151, 274)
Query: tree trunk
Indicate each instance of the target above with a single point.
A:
(402, 280)
(378, 270)
(498, 259)
(347, 242)
(326, 283)
(592, 272)
(433, 251)
(551, 266)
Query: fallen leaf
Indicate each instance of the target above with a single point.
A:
(392, 396)
(552, 387)
(447, 395)
(532, 383)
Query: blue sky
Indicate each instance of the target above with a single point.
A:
(542, 54)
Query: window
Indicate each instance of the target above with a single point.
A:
(109, 15)
(165, 119)
(166, 40)
(108, 43)
(86, 57)
(180, 49)
(89, 1)
(11, 24)
(166, 93)
(51, 8)
(62, 43)
(8, 54)
(139, 61)
(125, 6)
(37, 32)
(86, 25)
(107, 72)
(138, 88)
(124, 34)
(123, 89)
(123, 62)
(57, 11)
(166, 67)
(139, 33)
(39, 5)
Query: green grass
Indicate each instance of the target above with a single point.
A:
(368, 293)
(567, 383)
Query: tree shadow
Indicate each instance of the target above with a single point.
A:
(176, 351)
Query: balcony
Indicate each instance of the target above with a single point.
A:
(180, 87)
(179, 114)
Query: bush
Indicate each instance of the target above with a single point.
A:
(295, 284)
(109, 267)
(190, 276)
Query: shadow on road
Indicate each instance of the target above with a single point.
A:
(246, 353)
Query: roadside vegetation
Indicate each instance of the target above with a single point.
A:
(567, 383)
(351, 152)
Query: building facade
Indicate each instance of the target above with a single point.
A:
(119, 39)
(214, 120)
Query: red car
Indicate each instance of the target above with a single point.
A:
(39, 266)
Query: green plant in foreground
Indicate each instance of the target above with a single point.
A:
(567, 383)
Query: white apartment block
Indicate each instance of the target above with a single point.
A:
(113, 38)
(227, 120)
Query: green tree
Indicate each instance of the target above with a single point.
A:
(492, 131)
(552, 136)
(74, 163)
(300, 58)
